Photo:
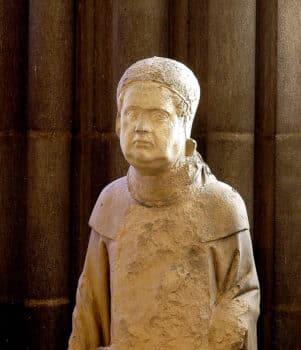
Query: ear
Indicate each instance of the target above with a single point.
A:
(117, 125)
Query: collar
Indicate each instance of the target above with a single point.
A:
(167, 188)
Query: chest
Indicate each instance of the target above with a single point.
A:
(160, 240)
(159, 275)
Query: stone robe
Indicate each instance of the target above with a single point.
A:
(174, 274)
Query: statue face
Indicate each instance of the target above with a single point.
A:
(152, 136)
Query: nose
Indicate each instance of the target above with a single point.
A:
(142, 125)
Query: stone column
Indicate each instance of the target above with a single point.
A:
(231, 82)
(82, 137)
(50, 108)
(13, 67)
(264, 172)
(287, 288)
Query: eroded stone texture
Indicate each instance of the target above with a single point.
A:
(170, 262)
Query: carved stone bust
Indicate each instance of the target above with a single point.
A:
(169, 263)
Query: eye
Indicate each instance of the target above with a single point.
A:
(130, 114)
(160, 116)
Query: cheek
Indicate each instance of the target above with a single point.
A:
(171, 132)
(123, 124)
(177, 139)
(125, 131)
(164, 136)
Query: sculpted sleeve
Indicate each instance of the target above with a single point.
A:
(91, 318)
(235, 293)
(234, 287)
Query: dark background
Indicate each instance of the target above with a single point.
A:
(60, 61)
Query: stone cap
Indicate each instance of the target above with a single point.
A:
(173, 74)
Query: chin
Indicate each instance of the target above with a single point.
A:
(138, 156)
(140, 162)
(149, 164)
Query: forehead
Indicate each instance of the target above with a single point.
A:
(149, 95)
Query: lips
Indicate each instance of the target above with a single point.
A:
(140, 141)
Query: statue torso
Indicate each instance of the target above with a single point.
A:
(161, 266)
(160, 297)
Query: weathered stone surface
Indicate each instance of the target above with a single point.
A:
(167, 238)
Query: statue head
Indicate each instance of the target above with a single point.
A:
(157, 100)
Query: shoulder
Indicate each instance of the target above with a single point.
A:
(112, 190)
(110, 208)
(223, 197)
(224, 210)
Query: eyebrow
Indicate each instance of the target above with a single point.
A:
(148, 109)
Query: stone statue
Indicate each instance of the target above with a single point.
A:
(169, 263)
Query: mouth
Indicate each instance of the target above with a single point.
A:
(142, 142)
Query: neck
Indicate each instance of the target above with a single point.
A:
(164, 187)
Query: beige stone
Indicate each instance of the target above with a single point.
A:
(169, 263)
